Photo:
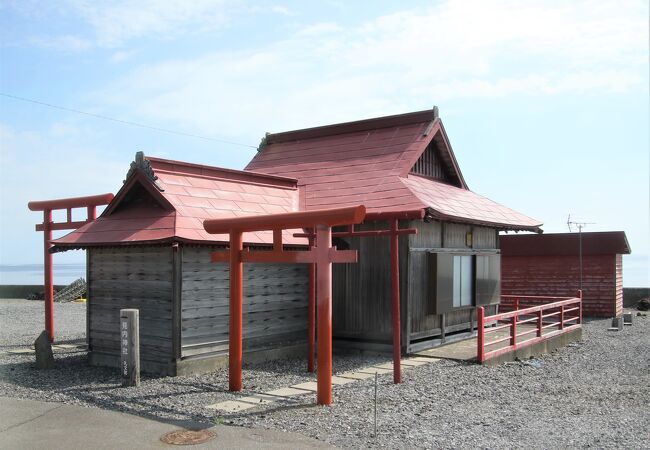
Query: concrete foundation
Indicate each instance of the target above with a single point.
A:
(539, 348)
(204, 363)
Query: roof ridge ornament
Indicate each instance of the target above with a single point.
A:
(144, 166)
(263, 142)
(436, 116)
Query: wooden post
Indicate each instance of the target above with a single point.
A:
(130, 347)
(395, 301)
(561, 317)
(48, 284)
(311, 318)
(480, 340)
(311, 310)
(324, 315)
(513, 326)
(580, 307)
(235, 352)
(540, 322)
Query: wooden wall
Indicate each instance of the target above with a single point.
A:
(434, 235)
(131, 277)
(560, 276)
(275, 304)
(361, 292)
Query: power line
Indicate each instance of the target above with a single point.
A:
(124, 122)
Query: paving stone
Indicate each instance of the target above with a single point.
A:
(21, 351)
(388, 366)
(288, 392)
(308, 386)
(373, 370)
(231, 406)
(413, 363)
(68, 346)
(424, 359)
(357, 375)
(338, 380)
(258, 399)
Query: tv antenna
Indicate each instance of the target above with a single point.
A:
(579, 226)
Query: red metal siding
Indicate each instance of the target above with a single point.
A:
(560, 276)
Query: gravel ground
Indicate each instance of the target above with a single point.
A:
(593, 394)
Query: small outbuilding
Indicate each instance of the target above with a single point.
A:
(550, 265)
(149, 250)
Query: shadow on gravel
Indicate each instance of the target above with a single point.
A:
(73, 381)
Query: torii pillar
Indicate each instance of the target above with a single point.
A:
(323, 255)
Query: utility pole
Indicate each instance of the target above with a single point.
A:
(580, 226)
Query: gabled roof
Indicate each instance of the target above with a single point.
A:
(164, 200)
(563, 244)
(369, 162)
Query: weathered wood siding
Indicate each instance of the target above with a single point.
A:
(275, 303)
(361, 291)
(423, 323)
(130, 277)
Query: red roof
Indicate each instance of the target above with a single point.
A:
(369, 162)
(173, 207)
(562, 244)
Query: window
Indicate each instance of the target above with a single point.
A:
(463, 277)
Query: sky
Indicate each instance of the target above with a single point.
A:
(546, 103)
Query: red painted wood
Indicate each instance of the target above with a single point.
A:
(324, 316)
(75, 202)
(48, 284)
(560, 276)
(329, 217)
(311, 315)
(566, 310)
(235, 334)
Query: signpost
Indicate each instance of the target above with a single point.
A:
(130, 347)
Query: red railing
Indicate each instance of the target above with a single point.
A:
(542, 317)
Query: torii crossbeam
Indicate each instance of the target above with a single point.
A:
(323, 255)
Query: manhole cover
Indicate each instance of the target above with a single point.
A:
(187, 437)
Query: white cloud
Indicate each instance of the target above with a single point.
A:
(396, 62)
(119, 21)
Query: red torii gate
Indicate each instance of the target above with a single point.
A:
(47, 206)
(323, 255)
(394, 231)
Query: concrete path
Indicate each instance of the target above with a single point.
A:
(465, 350)
(30, 424)
(267, 399)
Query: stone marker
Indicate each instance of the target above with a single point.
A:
(627, 318)
(130, 347)
(617, 324)
(44, 356)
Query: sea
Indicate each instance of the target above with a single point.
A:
(33, 273)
